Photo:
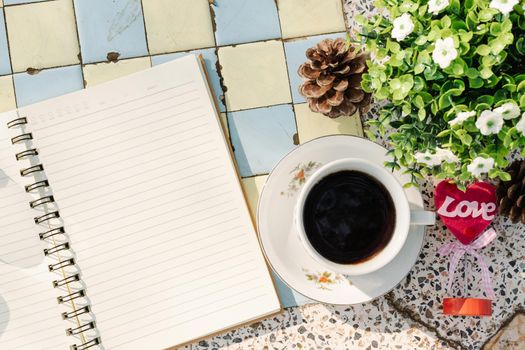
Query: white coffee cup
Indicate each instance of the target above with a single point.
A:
(404, 217)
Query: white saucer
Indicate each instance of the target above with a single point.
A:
(281, 244)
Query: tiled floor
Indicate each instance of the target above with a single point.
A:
(252, 50)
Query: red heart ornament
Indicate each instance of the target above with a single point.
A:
(466, 214)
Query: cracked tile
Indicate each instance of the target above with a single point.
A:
(42, 35)
(210, 59)
(510, 337)
(255, 75)
(241, 21)
(98, 73)
(311, 125)
(261, 136)
(36, 87)
(252, 190)
(178, 25)
(7, 94)
(367, 326)
(110, 27)
(310, 17)
(5, 63)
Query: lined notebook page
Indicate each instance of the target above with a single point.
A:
(29, 313)
(150, 198)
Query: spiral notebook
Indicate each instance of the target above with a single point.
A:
(123, 221)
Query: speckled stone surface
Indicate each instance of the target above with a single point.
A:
(410, 316)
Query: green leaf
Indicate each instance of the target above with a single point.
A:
(497, 46)
(419, 83)
(401, 86)
(495, 28)
(422, 114)
(472, 20)
(486, 15)
(466, 36)
(466, 139)
(446, 22)
(472, 73)
(520, 46)
(485, 99)
(418, 102)
(444, 133)
(504, 176)
(455, 7)
(468, 4)
(483, 50)
(457, 69)
(506, 25)
(486, 73)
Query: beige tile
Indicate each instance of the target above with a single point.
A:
(308, 17)
(101, 72)
(7, 94)
(311, 125)
(255, 75)
(224, 122)
(1, 3)
(42, 35)
(177, 25)
(252, 187)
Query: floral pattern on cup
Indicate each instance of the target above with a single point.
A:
(300, 174)
(325, 279)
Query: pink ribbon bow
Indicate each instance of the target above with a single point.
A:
(458, 249)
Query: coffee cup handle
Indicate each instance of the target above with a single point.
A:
(422, 217)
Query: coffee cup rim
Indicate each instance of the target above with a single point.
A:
(402, 212)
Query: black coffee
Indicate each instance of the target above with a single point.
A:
(349, 217)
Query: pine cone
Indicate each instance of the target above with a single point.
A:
(511, 194)
(332, 78)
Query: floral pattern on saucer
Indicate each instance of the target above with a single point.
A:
(323, 280)
(300, 174)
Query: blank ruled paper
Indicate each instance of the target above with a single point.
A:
(147, 189)
(29, 313)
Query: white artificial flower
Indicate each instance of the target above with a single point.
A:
(434, 6)
(520, 126)
(509, 110)
(446, 155)
(503, 6)
(444, 52)
(461, 117)
(480, 165)
(403, 26)
(427, 158)
(489, 122)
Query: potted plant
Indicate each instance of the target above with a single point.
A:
(453, 77)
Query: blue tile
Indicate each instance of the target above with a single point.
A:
(295, 55)
(261, 136)
(241, 21)
(287, 296)
(110, 26)
(5, 64)
(210, 58)
(46, 84)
